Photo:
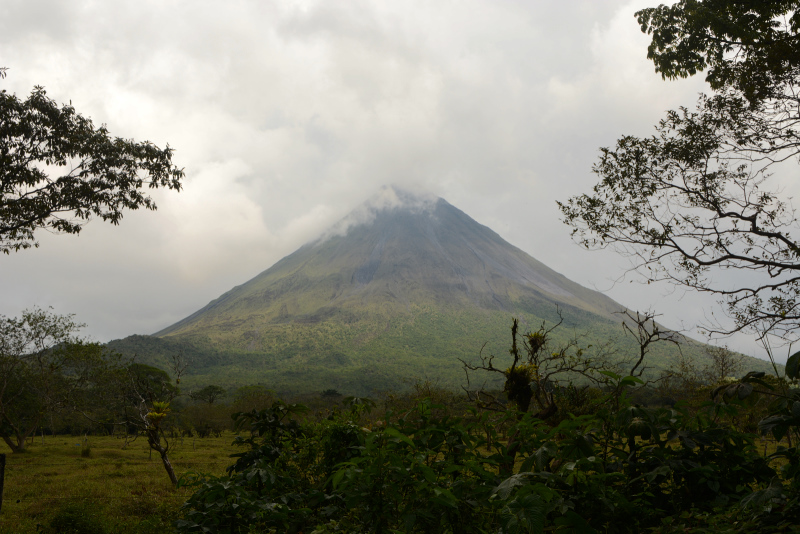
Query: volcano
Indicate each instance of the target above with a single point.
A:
(395, 253)
(398, 291)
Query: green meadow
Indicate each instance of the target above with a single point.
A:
(102, 481)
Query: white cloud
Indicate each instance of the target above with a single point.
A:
(287, 115)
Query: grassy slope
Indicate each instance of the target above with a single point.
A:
(377, 352)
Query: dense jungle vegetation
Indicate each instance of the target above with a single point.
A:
(616, 454)
(569, 444)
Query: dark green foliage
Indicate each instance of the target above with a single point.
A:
(204, 419)
(603, 465)
(208, 394)
(421, 473)
(45, 371)
(95, 175)
(426, 470)
(151, 382)
(748, 45)
(249, 398)
(793, 366)
(695, 199)
(234, 503)
(81, 518)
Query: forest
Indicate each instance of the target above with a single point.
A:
(570, 444)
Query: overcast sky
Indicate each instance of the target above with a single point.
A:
(286, 115)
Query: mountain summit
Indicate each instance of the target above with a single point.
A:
(396, 291)
(395, 252)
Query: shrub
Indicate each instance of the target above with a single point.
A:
(78, 519)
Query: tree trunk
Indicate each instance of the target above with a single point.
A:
(16, 436)
(154, 440)
(168, 468)
(8, 442)
(16, 445)
(2, 477)
(512, 448)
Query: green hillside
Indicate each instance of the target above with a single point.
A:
(399, 291)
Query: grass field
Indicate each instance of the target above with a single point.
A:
(103, 482)
(109, 486)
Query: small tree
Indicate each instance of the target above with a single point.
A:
(150, 392)
(205, 418)
(44, 370)
(532, 382)
(140, 397)
(723, 364)
(537, 369)
(254, 397)
(208, 394)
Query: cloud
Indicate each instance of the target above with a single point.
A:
(287, 115)
(389, 197)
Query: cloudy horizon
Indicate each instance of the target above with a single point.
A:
(287, 115)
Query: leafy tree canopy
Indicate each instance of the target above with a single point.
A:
(695, 199)
(751, 45)
(150, 383)
(44, 368)
(57, 170)
(208, 394)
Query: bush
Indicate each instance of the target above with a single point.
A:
(78, 519)
(423, 470)
(600, 463)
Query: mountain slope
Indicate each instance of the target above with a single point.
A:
(414, 253)
(397, 291)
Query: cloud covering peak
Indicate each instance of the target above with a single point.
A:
(286, 114)
(389, 197)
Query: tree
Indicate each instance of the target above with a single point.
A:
(44, 367)
(253, 397)
(206, 418)
(695, 199)
(150, 382)
(149, 393)
(138, 397)
(538, 373)
(750, 46)
(57, 170)
(537, 370)
(723, 364)
(208, 394)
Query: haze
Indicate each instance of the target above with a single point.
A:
(287, 115)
